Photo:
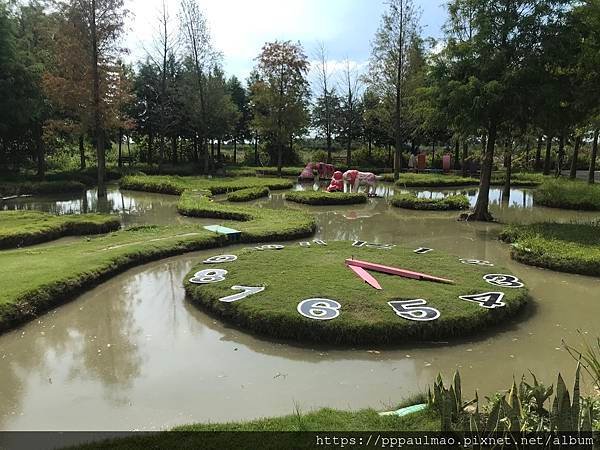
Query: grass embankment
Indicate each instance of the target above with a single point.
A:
(297, 273)
(449, 203)
(568, 194)
(440, 180)
(32, 281)
(326, 198)
(175, 185)
(8, 189)
(245, 195)
(256, 224)
(323, 420)
(21, 228)
(573, 248)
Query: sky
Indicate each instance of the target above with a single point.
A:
(241, 27)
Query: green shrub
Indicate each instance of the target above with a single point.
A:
(326, 198)
(568, 194)
(245, 195)
(565, 247)
(410, 201)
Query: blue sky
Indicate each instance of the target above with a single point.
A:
(241, 27)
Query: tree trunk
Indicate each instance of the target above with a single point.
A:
(573, 173)
(206, 156)
(369, 153)
(432, 155)
(538, 154)
(481, 211)
(234, 150)
(41, 163)
(100, 150)
(81, 153)
(328, 145)
(592, 172)
(561, 155)
(129, 149)
(465, 157)
(349, 153)
(120, 160)
(195, 145)
(174, 150)
(256, 150)
(279, 158)
(548, 158)
(397, 116)
(508, 167)
(527, 150)
(150, 147)
(456, 154)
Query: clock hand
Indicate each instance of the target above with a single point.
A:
(396, 271)
(365, 276)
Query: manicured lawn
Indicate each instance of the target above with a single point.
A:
(573, 248)
(410, 201)
(297, 273)
(326, 198)
(21, 228)
(519, 179)
(177, 185)
(245, 195)
(568, 194)
(323, 420)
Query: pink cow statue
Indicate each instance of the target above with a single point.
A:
(337, 182)
(355, 179)
(324, 171)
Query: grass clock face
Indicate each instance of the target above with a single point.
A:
(354, 291)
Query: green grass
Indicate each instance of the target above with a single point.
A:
(245, 195)
(522, 179)
(297, 273)
(326, 198)
(323, 420)
(519, 179)
(22, 228)
(573, 248)
(450, 203)
(256, 224)
(33, 281)
(568, 194)
(177, 185)
(39, 187)
(434, 180)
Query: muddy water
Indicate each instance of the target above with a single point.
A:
(133, 354)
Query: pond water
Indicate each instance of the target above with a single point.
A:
(133, 354)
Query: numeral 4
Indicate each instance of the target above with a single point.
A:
(488, 300)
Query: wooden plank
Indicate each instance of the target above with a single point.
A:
(396, 271)
(365, 276)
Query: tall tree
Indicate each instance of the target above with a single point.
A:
(281, 93)
(325, 96)
(350, 114)
(389, 64)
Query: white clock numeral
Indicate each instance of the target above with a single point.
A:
(319, 308)
(208, 276)
(414, 310)
(246, 292)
